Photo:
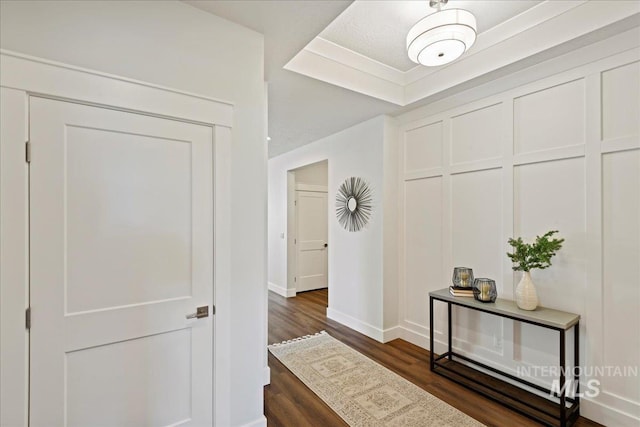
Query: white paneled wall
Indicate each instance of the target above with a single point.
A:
(621, 266)
(423, 148)
(560, 153)
(465, 129)
(549, 118)
(423, 264)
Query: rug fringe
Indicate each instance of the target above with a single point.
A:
(305, 337)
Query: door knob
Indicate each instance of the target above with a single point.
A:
(326, 244)
(200, 313)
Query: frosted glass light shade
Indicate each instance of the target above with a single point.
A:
(441, 37)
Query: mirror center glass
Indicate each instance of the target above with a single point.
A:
(352, 204)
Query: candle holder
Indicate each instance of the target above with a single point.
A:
(462, 277)
(484, 290)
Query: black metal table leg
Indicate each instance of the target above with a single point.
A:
(563, 407)
(431, 349)
(576, 364)
(449, 339)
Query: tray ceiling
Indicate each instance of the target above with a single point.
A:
(508, 32)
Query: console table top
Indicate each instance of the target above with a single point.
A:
(555, 319)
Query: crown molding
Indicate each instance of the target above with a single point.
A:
(356, 60)
(333, 71)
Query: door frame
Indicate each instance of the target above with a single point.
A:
(292, 226)
(23, 76)
(310, 189)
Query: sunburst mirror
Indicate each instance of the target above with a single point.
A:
(354, 204)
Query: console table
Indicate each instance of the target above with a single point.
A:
(544, 410)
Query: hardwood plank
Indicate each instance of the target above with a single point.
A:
(288, 402)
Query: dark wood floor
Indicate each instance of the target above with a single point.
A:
(289, 403)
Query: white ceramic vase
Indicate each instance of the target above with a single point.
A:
(526, 296)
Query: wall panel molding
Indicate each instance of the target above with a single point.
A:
(559, 178)
(421, 174)
(620, 144)
(552, 154)
(477, 166)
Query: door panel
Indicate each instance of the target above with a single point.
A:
(119, 403)
(124, 226)
(311, 240)
(121, 251)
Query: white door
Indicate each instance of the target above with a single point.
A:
(121, 251)
(311, 240)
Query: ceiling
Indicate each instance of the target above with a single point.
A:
(332, 64)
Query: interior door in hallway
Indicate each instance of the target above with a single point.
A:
(121, 218)
(312, 245)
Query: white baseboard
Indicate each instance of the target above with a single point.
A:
(356, 324)
(266, 376)
(260, 422)
(414, 337)
(605, 414)
(391, 334)
(287, 293)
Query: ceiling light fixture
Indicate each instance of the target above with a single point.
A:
(442, 36)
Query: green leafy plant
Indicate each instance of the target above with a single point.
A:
(527, 256)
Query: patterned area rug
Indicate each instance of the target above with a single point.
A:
(360, 390)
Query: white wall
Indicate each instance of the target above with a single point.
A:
(172, 44)
(558, 153)
(314, 174)
(390, 252)
(356, 260)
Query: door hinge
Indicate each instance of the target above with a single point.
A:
(213, 309)
(27, 150)
(295, 203)
(295, 279)
(27, 318)
(295, 241)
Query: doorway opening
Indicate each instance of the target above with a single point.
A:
(307, 227)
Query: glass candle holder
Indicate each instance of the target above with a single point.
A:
(462, 277)
(485, 290)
